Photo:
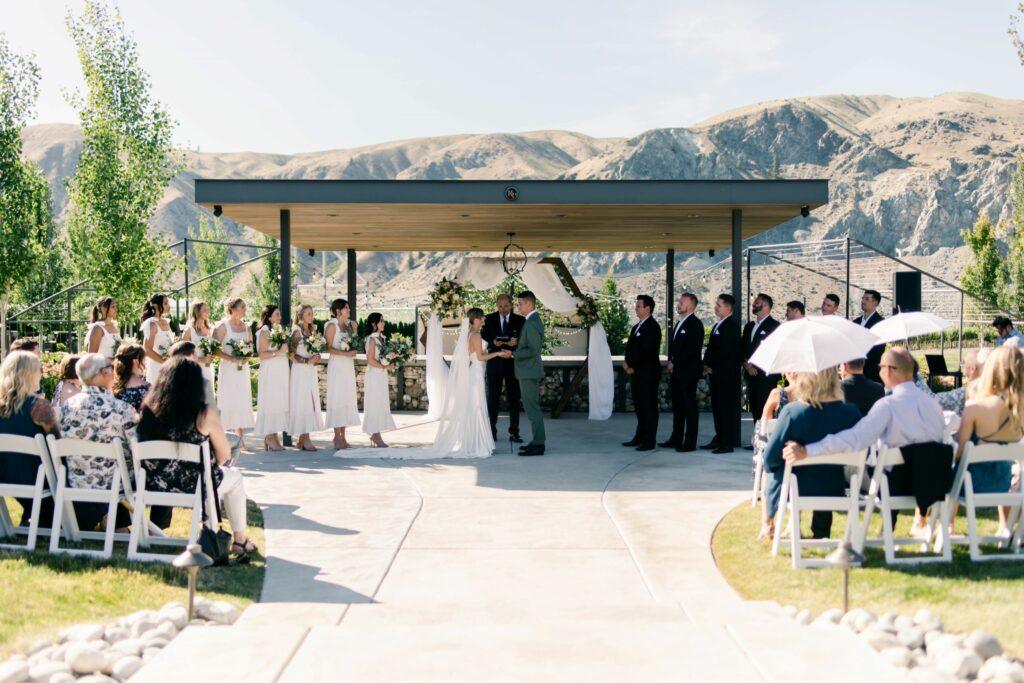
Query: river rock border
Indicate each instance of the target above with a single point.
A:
(93, 653)
(921, 646)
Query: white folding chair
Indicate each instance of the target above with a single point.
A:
(67, 495)
(42, 488)
(963, 487)
(881, 498)
(169, 450)
(766, 428)
(791, 500)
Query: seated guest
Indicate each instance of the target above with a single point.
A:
(817, 410)
(130, 383)
(95, 415)
(777, 400)
(857, 388)
(995, 414)
(1006, 332)
(187, 349)
(176, 410)
(955, 399)
(23, 412)
(68, 385)
(27, 344)
(904, 417)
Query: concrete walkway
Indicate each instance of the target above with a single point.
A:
(591, 563)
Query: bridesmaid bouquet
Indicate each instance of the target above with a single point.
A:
(315, 344)
(279, 338)
(395, 350)
(346, 341)
(163, 349)
(208, 346)
(239, 349)
(117, 343)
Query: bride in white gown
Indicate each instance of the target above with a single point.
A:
(464, 430)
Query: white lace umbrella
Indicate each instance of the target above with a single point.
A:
(903, 326)
(812, 345)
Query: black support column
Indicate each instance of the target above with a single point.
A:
(350, 275)
(737, 287)
(670, 295)
(285, 303)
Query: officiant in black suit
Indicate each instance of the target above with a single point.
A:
(868, 318)
(722, 365)
(759, 385)
(643, 365)
(501, 331)
(684, 364)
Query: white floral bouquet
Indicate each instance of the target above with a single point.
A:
(279, 338)
(240, 349)
(164, 349)
(315, 344)
(117, 343)
(395, 350)
(208, 347)
(346, 341)
(447, 299)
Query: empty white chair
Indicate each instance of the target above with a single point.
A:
(765, 428)
(169, 450)
(60, 450)
(791, 500)
(881, 498)
(42, 488)
(963, 487)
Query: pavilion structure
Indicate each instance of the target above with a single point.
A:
(547, 216)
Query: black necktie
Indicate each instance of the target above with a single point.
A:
(504, 329)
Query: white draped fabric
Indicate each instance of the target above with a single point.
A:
(437, 371)
(485, 272)
(600, 374)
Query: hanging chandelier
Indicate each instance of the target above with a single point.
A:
(513, 258)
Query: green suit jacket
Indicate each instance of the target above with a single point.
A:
(527, 354)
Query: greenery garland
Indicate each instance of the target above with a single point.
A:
(587, 311)
(446, 299)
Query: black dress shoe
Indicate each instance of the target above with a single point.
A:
(532, 450)
(646, 447)
(722, 449)
(515, 438)
(685, 449)
(710, 445)
(632, 443)
(669, 444)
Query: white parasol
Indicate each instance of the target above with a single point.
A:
(813, 344)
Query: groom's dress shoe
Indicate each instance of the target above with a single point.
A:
(532, 450)
(515, 438)
(632, 443)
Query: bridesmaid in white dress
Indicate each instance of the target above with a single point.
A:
(272, 394)
(157, 336)
(342, 401)
(234, 388)
(199, 327)
(376, 394)
(304, 394)
(103, 335)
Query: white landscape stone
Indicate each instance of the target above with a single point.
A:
(833, 615)
(13, 672)
(82, 632)
(930, 675)
(96, 678)
(115, 633)
(858, 619)
(900, 657)
(176, 614)
(126, 667)
(927, 620)
(902, 621)
(959, 663)
(166, 630)
(141, 626)
(149, 653)
(878, 639)
(804, 617)
(911, 637)
(790, 611)
(44, 672)
(38, 645)
(83, 659)
(983, 644)
(62, 678)
(129, 646)
(1000, 668)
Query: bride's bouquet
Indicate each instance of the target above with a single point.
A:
(279, 338)
(395, 350)
(208, 346)
(240, 349)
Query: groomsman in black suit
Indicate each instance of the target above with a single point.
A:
(501, 331)
(684, 363)
(759, 385)
(722, 366)
(643, 365)
(869, 318)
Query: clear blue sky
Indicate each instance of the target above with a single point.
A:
(301, 76)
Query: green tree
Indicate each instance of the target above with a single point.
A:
(26, 224)
(1011, 275)
(613, 314)
(265, 283)
(983, 274)
(210, 259)
(125, 164)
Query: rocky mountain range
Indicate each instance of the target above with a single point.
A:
(906, 174)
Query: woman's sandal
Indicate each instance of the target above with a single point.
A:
(242, 550)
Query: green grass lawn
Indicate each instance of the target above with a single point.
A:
(967, 595)
(41, 593)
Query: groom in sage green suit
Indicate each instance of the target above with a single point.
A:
(529, 371)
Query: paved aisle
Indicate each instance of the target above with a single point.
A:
(591, 563)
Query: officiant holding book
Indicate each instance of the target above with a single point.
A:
(502, 330)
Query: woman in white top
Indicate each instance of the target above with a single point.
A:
(272, 393)
(304, 391)
(376, 393)
(103, 335)
(342, 401)
(234, 388)
(199, 327)
(157, 336)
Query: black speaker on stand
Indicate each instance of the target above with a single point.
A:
(906, 287)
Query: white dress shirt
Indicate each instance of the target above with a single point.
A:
(636, 330)
(679, 324)
(904, 417)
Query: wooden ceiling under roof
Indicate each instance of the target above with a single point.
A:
(556, 216)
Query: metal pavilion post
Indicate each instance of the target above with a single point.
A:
(737, 289)
(184, 246)
(750, 292)
(960, 341)
(847, 276)
(350, 275)
(670, 281)
(285, 247)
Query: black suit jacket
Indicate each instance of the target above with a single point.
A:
(685, 347)
(862, 392)
(723, 352)
(748, 345)
(874, 356)
(492, 329)
(643, 347)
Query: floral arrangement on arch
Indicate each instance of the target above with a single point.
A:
(587, 311)
(446, 299)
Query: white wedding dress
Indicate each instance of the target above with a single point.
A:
(465, 429)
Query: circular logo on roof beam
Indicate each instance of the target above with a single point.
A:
(511, 193)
